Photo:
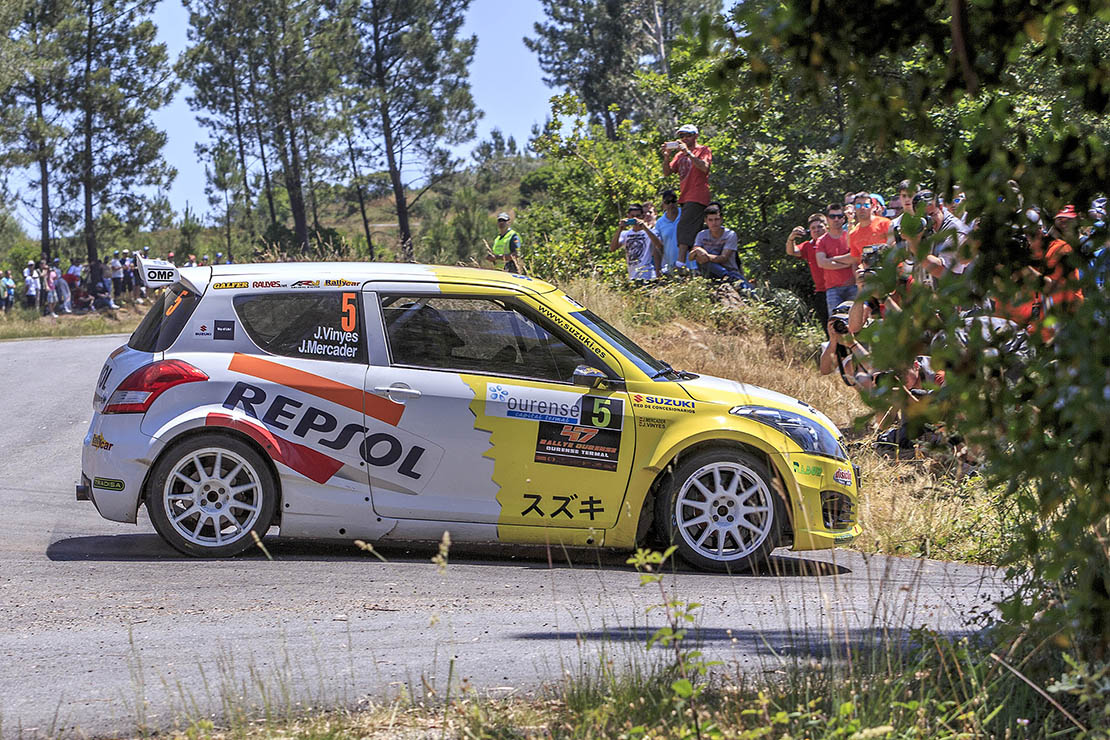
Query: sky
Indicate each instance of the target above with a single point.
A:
(505, 77)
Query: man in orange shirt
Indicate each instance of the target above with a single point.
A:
(869, 234)
(690, 161)
(1059, 283)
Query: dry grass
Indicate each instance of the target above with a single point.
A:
(909, 507)
(23, 324)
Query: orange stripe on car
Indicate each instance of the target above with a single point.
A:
(353, 398)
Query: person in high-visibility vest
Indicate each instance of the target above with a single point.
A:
(506, 246)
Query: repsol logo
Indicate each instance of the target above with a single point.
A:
(380, 449)
(160, 275)
(659, 401)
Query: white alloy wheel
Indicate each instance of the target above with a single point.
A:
(213, 497)
(208, 493)
(721, 510)
(724, 511)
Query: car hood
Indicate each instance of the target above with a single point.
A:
(708, 389)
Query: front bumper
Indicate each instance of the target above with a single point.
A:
(114, 462)
(826, 504)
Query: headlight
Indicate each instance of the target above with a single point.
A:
(810, 436)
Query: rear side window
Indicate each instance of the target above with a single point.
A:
(165, 319)
(314, 325)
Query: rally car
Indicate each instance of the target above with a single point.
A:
(396, 401)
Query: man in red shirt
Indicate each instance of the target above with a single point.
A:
(834, 256)
(807, 250)
(870, 232)
(690, 161)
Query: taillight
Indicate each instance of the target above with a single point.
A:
(140, 388)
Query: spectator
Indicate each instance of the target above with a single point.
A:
(691, 163)
(868, 236)
(204, 261)
(649, 214)
(807, 250)
(505, 246)
(219, 258)
(129, 280)
(666, 228)
(843, 353)
(895, 236)
(169, 258)
(715, 249)
(1061, 291)
(643, 250)
(834, 256)
(117, 276)
(73, 272)
(50, 278)
(191, 261)
(951, 233)
(31, 288)
(7, 291)
(62, 285)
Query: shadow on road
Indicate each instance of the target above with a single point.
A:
(151, 547)
(808, 642)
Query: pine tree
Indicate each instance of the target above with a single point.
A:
(411, 69)
(119, 76)
(31, 124)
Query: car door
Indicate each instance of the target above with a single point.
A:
(489, 380)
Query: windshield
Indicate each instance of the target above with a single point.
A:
(654, 368)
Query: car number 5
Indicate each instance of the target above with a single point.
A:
(347, 319)
(602, 415)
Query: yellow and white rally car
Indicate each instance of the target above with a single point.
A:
(394, 402)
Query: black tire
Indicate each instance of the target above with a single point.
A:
(728, 545)
(215, 517)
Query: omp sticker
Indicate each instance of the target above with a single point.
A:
(231, 286)
(98, 442)
(843, 476)
(315, 466)
(353, 398)
(588, 341)
(578, 446)
(814, 470)
(108, 484)
(662, 403)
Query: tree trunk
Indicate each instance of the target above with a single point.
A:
(242, 148)
(44, 173)
(87, 155)
(405, 231)
(311, 184)
(227, 220)
(261, 146)
(291, 172)
(358, 192)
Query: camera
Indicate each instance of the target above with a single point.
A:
(671, 144)
(872, 254)
(630, 222)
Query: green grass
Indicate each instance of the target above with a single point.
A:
(26, 324)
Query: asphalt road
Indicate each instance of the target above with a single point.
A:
(105, 627)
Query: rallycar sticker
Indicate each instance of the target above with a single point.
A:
(392, 455)
(98, 442)
(341, 283)
(662, 403)
(577, 446)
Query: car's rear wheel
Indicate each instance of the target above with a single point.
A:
(721, 511)
(209, 493)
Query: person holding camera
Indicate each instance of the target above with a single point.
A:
(807, 250)
(643, 249)
(690, 161)
(843, 353)
(868, 237)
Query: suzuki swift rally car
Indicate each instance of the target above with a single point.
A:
(394, 402)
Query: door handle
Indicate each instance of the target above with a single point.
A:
(402, 391)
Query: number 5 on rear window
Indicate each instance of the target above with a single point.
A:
(348, 316)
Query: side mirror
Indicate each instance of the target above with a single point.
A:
(591, 377)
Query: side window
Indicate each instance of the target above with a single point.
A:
(317, 325)
(165, 320)
(482, 335)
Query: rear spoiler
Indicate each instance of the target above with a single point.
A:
(158, 273)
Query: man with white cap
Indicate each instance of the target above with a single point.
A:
(690, 161)
(506, 245)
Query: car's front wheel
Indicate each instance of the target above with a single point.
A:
(208, 494)
(721, 511)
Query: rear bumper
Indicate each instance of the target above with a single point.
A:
(114, 463)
